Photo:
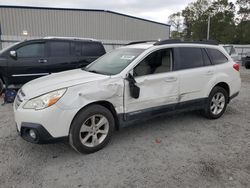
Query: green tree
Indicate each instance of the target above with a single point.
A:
(195, 16)
(175, 20)
(243, 19)
(227, 24)
(244, 9)
(222, 24)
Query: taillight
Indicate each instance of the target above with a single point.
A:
(236, 66)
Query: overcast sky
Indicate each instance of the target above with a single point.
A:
(156, 10)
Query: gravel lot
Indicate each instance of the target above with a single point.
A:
(184, 150)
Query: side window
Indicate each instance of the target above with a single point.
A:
(59, 49)
(92, 49)
(216, 56)
(75, 48)
(31, 50)
(190, 57)
(206, 59)
(157, 62)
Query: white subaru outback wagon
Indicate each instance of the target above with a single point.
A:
(133, 82)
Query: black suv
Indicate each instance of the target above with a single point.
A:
(30, 59)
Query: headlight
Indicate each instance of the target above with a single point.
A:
(45, 100)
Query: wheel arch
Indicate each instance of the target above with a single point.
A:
(105, 104)
(225, 86)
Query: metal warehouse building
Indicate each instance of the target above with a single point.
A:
(113, 29)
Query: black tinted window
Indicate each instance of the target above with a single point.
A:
(59, 49)
(157, 62)
(216, 56)
(31, 50)
(190, 57)
(92, 49)
(206, 59)
(76, 48)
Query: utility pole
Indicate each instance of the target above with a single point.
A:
(208, 27)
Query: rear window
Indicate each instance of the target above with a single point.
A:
(216, 56)
(206, 59)
(92, 49)
(230, 50)
(189, 57)
(227, 48)
(59, 49)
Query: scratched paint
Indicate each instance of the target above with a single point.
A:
(109, 89)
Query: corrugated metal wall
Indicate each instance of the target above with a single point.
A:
(111, 28)
(242, 50)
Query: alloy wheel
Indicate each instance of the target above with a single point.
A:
(94, 130)
(217, 103)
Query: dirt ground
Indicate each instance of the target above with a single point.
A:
(182, 150)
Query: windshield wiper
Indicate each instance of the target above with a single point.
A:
(97, 72)
(94, 71)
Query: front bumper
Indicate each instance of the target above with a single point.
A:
(42, 136)
(53, 120)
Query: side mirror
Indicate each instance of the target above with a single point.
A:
(13, 54)
(134, 89)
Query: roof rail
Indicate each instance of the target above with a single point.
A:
(178, 41)
(212, 42)
(168, 41)
(142, 41)
(70, 38)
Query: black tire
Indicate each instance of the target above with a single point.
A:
(83, 117)
(208, 112)
(1, 86)
(247, 65)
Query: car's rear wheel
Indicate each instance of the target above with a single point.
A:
(247, 65)
(1, 86)
(217, 103)
(91, 129)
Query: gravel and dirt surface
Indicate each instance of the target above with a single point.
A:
(182, 150)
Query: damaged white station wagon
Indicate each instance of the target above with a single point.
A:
(133, 82)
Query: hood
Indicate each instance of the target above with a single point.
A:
(60, 80)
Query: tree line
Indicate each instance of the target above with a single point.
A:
(229, 22)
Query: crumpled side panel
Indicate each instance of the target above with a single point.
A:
(110, 90)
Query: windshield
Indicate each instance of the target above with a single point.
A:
(114, 62)
(8, 47)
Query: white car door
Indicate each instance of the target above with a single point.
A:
(195, 72)
(159, 86)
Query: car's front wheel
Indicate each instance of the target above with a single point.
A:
(91, 129)
(216, 103)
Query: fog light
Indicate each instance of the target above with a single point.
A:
(32, 134)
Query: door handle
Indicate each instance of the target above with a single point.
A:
(42, 61)
(170, 79)
(210, 72)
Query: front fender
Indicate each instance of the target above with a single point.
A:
(79, 96)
